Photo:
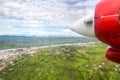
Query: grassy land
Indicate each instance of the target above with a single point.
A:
(64, 63)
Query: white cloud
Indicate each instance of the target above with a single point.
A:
(50, 10)
(41, 13)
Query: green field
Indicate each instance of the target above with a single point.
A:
(64, 63)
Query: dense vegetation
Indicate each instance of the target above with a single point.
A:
(7, 42)
(64, 63)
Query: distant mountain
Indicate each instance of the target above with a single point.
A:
(29, 41)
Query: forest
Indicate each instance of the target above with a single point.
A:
(64, 63)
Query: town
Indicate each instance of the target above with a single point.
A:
(10, 55)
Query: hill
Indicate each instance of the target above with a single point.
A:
(64, 63)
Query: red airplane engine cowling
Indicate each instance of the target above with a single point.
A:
(107, 27)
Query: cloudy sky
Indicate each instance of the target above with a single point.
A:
(42, 17)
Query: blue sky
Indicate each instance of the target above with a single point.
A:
(42, 17)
